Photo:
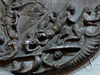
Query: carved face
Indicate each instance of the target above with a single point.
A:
(97, 8)
(41, 36)
(10, 7)
(88, 10)
(58, 54)
(71, 9)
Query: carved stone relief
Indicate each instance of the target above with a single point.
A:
(37, 41)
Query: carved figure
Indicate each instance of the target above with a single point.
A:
(37, 11)
(90, 45)
(63, 18)
(47, 22)
(31, 45)
(10, 24)
(17, 66)
(56, 42)
(90, 21)
(67, 29)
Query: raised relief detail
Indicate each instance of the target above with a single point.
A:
(37, 41)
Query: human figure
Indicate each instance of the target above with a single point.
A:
(10, 24)
(37, 11)
(62, 18)
(90, 21)
(31, 45)
(68, 23)
(97, 11)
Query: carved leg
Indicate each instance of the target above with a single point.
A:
(12, 33)
(14, 45)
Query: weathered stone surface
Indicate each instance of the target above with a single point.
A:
(47, 36)
(5, 73)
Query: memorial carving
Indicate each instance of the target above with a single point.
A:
(37, 41)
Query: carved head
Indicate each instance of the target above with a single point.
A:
(58, 54)
(16, 5)
(16, 66)
(88, 10)
(41, 36)
(71, 9)
(9, 5)
(97, 8)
